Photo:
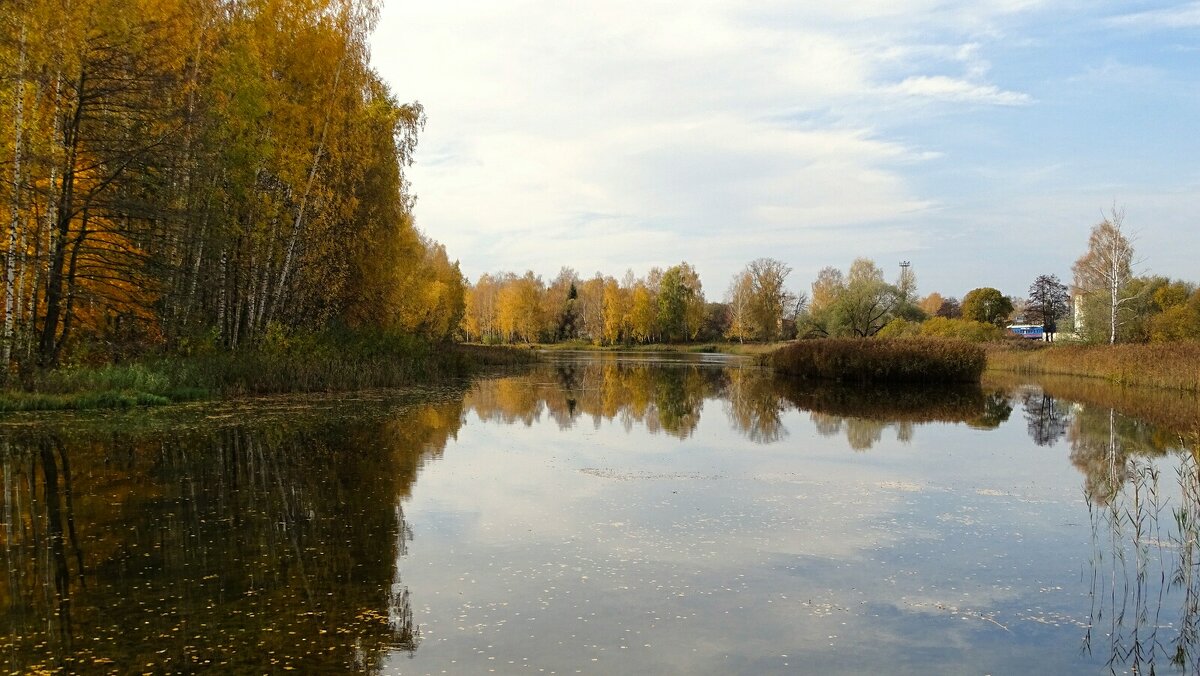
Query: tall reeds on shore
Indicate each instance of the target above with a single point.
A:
(903, 360)
(1165, 365)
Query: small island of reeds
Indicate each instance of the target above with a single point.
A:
(893, 360)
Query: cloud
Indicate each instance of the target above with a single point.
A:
(679, 124)
(1182, 16)
(942, 88)
(718, 132)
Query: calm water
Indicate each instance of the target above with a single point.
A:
(608, 514)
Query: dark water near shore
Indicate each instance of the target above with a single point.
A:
(610, 514)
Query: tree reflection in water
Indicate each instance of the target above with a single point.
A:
(754, 406)
(864, 413)
(1047, 418)
(1145, 595)
(662, 399)
(669, 399)
(229, 548)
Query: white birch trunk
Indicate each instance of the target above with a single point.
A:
(298, 223)
(1114, 285)
(15, 220)
(221, 293)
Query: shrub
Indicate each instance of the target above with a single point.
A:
(900, 328)
(916, 360)
(961, 329)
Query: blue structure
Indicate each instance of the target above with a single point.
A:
(1031, 331)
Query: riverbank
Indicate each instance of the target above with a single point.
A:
(1162, 365)
(316, 363)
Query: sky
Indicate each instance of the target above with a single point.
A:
(979, 140)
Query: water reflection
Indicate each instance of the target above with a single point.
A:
(754, 406)
(1145, 593)
(231, 547)
(670, 400)
(251, 541)
(661, 399)
(1137, 452)
(865, 412)
(1047, 417)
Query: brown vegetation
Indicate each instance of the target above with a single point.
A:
(881, 360)
(1168, 365)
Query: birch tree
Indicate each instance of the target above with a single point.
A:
(1104, 271)
(740, 298)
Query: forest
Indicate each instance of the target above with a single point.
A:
(200, 175)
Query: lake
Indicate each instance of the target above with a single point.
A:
(610, 513)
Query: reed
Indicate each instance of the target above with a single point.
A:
(902, 360)
(1165, 365)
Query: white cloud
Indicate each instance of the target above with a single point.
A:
(688, 127)
(1186, 15)
(942, 88)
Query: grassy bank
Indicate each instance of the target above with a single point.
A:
(1165, 365)
(902, 360)
(332, 362)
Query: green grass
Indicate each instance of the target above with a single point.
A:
(1164, 365)
(328, 362)
(896, 360)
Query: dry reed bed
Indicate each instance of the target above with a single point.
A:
(893, 360)
(1165, 365)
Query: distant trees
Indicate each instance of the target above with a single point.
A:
(504, 307)
(669, 306)
(859, 303)
(1178, 304)
(931, 304)
(680, 303)
(868, 302)
(758, 300)
(1103, 273)
(986, 305)
(950, 309)
(740, 300)
(1048, 301)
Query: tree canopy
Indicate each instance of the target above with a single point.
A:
(986, 305)
(189, 171)
(1048, 301)
(1103, 274)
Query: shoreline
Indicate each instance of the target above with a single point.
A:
(319, 366)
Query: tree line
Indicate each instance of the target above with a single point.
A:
(1107, 302)
(202, 172)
